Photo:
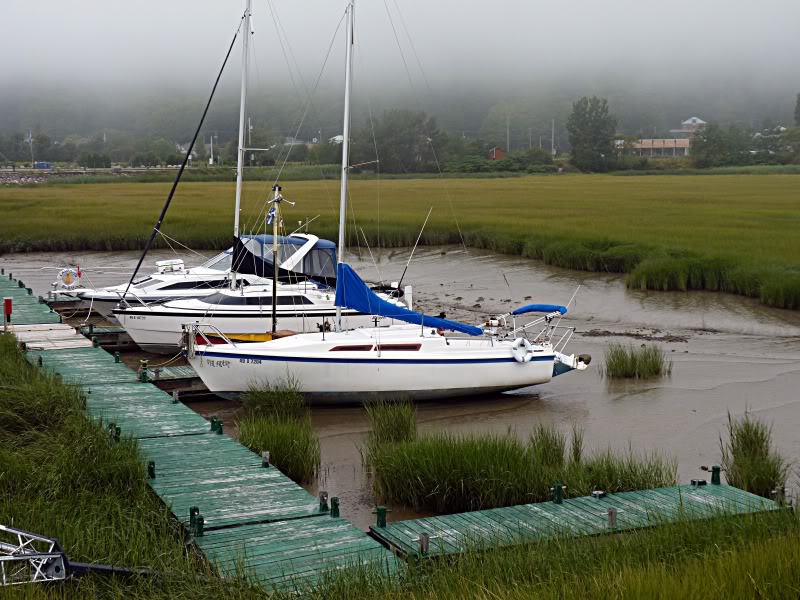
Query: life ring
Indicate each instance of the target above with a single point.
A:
(521, 349)
(68, 279)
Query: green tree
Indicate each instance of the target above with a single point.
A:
(713, 146)
(591, 134)
(199, 150)
(326, 154)
(407, 142)
(797, 112)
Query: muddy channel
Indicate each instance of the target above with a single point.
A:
(730, 354)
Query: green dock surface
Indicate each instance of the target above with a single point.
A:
(585, 516)
(256, 520)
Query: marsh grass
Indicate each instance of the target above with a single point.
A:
(447, 473)
(686, 245)
(723, 557)
(749, 460)
(646, 362)
(389, 423)
(275, 418)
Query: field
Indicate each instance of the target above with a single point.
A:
(735, 233)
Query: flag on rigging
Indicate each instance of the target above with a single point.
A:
(271, 216)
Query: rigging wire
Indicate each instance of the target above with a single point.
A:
(163, 214)
(424, 124)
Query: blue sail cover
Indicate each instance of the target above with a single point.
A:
(545, 308)
(352, 292)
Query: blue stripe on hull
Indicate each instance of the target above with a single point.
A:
(381, 361)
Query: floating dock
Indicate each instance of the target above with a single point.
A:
(575, 517)
(243, 515)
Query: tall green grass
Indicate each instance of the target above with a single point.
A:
(389, 423)
(275, 419)
(628, 362)
(728, 557)
(447, 473)
(730, 233)
(749, 459)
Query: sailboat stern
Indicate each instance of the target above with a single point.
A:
(564, 363)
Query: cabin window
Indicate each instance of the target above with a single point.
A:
(195, 285)
(228, 300)
(399, 347)
(352, 348)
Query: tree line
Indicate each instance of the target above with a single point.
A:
(408, 141)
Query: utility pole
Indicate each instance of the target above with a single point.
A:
(508, 136)
(540, 142)
(211, 158)
(30, 141)
(553, 139)
(530, 138)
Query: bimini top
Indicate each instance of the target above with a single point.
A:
(545, 308)
(298, 255)
(352, 292)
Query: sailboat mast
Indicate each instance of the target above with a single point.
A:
(348, 78)
(242, 111)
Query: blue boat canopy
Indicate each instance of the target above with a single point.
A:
(545, 308)
(352, 292)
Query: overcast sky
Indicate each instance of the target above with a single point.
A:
(115, 43)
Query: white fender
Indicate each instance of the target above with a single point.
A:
(521, 349)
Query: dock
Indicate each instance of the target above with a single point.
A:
(575, 517)
(241, 513)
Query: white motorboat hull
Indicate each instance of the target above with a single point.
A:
(358, 377)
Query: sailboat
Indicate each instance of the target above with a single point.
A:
(427, 358)
(292, 284)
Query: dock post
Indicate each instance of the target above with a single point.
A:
(39, 361)
(143, 370)
(612, 517)
(117, 357)
(213, 423)
(175, 396)
(380, 511)
(424, 543)
(265, 459)
(715, 471)
(91, 329)
(323, 501)
(199, 526)
(558, 492)
(335, 507)
(8, 305)
(21, 284)
(151, 469)
(95, 342)
(219, 426)
(193, 512)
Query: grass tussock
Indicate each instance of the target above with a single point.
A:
(748, 458)
(687, 244)
(389, 423)
(628, 362)
(447, 473)
(275, 419)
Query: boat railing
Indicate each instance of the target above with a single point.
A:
(191, 331)
(547, 333)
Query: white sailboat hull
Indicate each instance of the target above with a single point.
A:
(439, 369)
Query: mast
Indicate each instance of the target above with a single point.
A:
(242, 111)
(348, 78)
(276, 217)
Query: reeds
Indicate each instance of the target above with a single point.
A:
(646, 362)
(446, 473)
(275, 419)
(749, 460)
(389, 423)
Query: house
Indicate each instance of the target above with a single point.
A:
(663, 147)
(688, 128)
(497, 153)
